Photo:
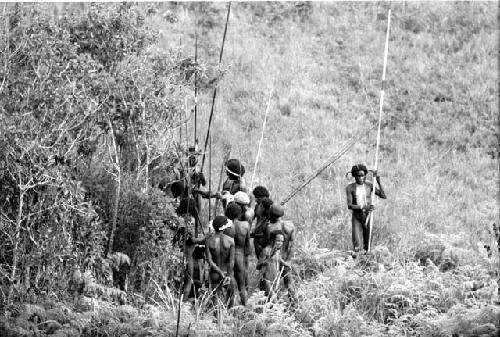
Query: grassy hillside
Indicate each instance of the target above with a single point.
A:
(438, 156)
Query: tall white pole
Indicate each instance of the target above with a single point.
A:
(386, 51)
(261, 139)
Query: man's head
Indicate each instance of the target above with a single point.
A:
(242, 198)
(192, 160)
(277, 238)
(177, 188)
(233, 211)
(218, 222)
(226, 198)
(260, 192)
(262, 209)
(234, 169)
(275, 212)
(359, 173)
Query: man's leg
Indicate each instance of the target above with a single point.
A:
(357, 232)
(215, 282)
(240, 276)
(265, 286)
(246, 273)
(287, 281)
(230, 293)
(188, 278)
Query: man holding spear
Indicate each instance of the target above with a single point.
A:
(359, 200)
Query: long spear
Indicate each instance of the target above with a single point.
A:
(329, 162)
(215, 89)
(261, 138)
(227, 153)
(386, 51)
(196, 83)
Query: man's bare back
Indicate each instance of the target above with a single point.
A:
(220, 251)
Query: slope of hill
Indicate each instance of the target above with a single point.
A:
(439, 150)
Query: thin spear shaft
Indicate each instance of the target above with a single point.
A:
(381, 106)
(329, 162)
(196, 83)
(210, 180)
(215, 89)
(188, 181)
(261, 138)
(224, 160)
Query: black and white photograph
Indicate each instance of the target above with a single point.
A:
(250, 168)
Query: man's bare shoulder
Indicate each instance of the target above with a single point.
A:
(210, 239)
(350, 187)
(242, 225)
(288, 225)
(227, 239)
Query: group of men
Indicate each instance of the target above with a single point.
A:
(250, 220)
(246, 220)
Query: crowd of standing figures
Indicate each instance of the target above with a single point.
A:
(250, 223)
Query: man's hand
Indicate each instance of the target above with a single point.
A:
(368, 208)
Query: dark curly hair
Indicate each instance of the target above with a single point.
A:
(260, 192)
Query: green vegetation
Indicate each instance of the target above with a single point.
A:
(95, 96)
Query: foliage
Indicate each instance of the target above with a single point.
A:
(73, 88)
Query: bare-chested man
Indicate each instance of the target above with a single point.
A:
(184, 238)
(272, 265)
(243, 200)
(235, 181)
(359, 201)
(287, 228)
(259, 194)
(219, 251)
(241, 232)
(259, 232)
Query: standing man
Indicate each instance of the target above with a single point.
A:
(197, 178)
(359, 201)
(287, 228)
(234, 182)
(259, 232)
(259, 193)
(241, 235)
(242, 199)
(184, 237)
(219, 251)
(272, 265)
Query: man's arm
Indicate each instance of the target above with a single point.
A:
(203, 181)
(289, 252)
(260, 229)
(231, 258)
(379, 190)
(263, 259)
(207, 194)
(243, 186)
(246, 248)
(249, 215)
(285, 263)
